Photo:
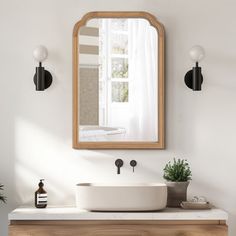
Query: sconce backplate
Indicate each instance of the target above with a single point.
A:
(188, 79)
(48, 79)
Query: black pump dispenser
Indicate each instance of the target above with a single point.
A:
(41, 196)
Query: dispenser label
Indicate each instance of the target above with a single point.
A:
(42, 198)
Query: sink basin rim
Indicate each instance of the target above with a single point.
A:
(109, 185)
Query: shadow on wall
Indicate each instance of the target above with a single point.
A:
(231, 223)
(7, 142)
(217, 196)
(145, 171)
(42, 154)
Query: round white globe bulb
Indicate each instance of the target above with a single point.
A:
(197, 53)
(40, 53)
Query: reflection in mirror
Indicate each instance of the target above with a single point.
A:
(118, 85)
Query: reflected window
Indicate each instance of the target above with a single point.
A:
(114, 70)
(119, 67)
(120, 92)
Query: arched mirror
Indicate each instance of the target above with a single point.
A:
(118, 81)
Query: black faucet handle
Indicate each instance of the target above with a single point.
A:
(133, 163)
(119, 163)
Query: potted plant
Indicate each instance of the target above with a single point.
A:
(2, 197)
(177, 176)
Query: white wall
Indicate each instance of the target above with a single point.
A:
(35, 139)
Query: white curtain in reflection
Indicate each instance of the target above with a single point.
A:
(143, 80)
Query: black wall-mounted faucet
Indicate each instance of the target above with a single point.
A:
(119, 163)
(133, 163)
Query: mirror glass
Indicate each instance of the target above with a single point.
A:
(118, 80)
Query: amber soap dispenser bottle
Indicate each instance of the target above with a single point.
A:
(41, 196)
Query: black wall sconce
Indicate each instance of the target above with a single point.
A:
(193, 78)
(42, 77)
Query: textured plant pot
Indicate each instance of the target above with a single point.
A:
(177, 192)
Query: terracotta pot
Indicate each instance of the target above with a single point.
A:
(177, 192)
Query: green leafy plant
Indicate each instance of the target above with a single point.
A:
(178, 171)
(2, 197)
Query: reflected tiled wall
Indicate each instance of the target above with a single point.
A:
(89, 96)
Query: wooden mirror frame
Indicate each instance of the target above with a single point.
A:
(161, 117)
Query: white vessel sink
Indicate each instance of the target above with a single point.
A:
(121, 197)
